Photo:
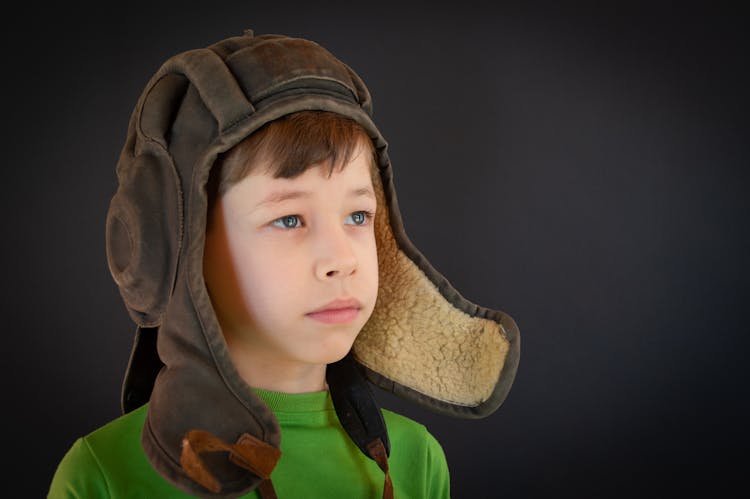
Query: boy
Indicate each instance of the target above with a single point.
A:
(256, 241)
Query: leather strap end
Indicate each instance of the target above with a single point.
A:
(255, 455)
(248, 452)
(376, 450)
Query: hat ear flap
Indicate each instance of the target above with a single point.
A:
(144, 219)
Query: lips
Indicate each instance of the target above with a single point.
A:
(339, 311)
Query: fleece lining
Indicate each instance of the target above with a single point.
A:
(420, 340)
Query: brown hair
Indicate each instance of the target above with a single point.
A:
(289, 146)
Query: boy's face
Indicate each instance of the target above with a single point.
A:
(291, 264)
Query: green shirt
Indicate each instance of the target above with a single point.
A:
(318, 458)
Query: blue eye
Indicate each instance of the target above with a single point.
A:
(358, 218)
(288, 222)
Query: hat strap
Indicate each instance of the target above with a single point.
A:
(360, 414)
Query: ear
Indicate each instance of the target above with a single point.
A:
(144, 220)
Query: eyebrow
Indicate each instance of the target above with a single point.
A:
(362, 191)
(281, 196)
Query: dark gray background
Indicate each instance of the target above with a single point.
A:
(582, 166)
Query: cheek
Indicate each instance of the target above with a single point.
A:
(266, 279)
(254, 277)
(370, 259)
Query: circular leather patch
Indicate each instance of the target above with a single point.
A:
(143, 235)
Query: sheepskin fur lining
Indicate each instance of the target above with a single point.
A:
(418, 339)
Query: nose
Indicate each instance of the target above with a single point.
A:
(336, 257)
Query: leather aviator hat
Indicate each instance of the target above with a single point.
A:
(206, 431)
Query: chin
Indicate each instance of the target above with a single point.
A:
(335, 351)
(335, 358)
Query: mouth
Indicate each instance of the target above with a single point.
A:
(340, 311)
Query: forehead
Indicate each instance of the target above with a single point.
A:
(260, 188)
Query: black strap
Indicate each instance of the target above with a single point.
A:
(355, 405)
(143, 366)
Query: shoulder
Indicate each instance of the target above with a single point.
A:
(399, 423)
(85, 469)
(406, 431)
(417, 461)
(120, 437)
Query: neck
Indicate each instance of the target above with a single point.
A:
(278, 375)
